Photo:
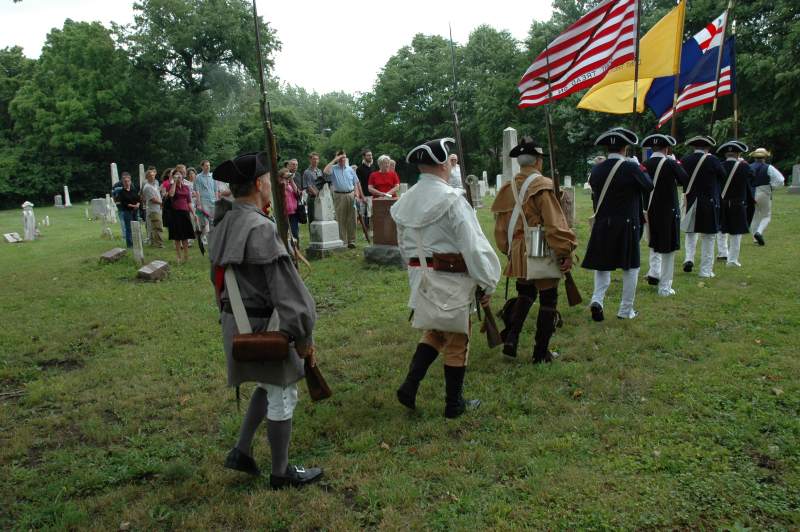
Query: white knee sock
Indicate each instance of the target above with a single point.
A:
(733, 250)
(690, 247)
(707, 255)
(722, 245)
(655, 264)
(667, 271)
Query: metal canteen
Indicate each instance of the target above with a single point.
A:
(538, 243)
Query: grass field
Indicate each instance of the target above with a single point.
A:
(687, 417)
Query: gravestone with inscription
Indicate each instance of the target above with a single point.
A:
(324, 229)
(794, 188)
(113, 255)
(138, 248)
(58, 201)
(155, 271)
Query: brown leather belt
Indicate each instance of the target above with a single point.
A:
(443, 262)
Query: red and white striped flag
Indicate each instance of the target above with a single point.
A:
(697, 94)
(601, 40)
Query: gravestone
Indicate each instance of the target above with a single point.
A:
(98, 208)
(567, 181)
(498, 182)
(483, 189)
(112, 255)
(141, 177)
(86, 213)
(324, 230)
(568, 204)
(114, 175)
(155, 271)
(474, 189)
(47, 221)
(402, 190)
(794, 188)
(138, 249)
(28, 222)
(67, 202)
(111, 209)
(58, 201)
(510, 165)
(12, 238)
(384, 249)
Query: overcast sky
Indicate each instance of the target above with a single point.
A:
(317, 37)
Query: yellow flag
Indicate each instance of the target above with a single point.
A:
(660, 55)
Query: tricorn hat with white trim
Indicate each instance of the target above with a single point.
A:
(243, 168)
(657, 140)
(617, 137)
(761, 153)
(734, 146)
(431, 153)
(701, 141)
(527, 146)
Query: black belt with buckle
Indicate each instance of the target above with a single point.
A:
(337, 192)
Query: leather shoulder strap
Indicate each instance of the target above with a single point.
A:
(518, 206)
(655, 181)
(730, 178)
(605, 186)
(695, 172)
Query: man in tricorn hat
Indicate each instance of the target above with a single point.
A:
(530, 200)
(767, 177)
(617, 185)
(706, 177)
(245, 242)
(663, 211)
(442, 242)
(736, 201)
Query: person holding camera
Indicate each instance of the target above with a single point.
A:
(247, 252)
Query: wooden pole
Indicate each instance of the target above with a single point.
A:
(677, 87)
(733, 86)
(636, 67)
(550, 137)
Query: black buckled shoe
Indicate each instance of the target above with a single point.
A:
(239, 461)
(295, 477)
(455, 410)
(546, 357)
(597, 311)
(759, 238)
(687, 266)
(652, 281)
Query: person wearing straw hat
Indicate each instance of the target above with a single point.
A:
(767, 177)
(527, 202)
(617, 185)
(663, 212)
(256, 286)
(701, 203)
(737, 203)
(448, 258)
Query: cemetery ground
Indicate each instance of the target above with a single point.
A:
(114, 411)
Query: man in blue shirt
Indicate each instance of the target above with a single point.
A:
(206, 189)
(346, 188)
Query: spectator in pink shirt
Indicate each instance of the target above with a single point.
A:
(292, 197)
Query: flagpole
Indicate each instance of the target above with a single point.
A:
(719, 64)
(550, 136)
(733, 86)
(677, 88)
(636, 66)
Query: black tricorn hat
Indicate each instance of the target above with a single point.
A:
(432, 153)
(733, 146)
(617, 137)
(527, 146)
(658, 140)
(701, 141)
(243, 168)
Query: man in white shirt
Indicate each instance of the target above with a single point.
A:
(435, 220)
(767, 177)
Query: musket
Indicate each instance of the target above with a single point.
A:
(278, 193)
(489, 323)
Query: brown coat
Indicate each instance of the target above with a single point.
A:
(540, 207)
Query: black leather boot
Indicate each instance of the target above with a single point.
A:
(295, 477)
(516, 319)
(423, 358)
(455, 404)
(239, 461)
(546, 323)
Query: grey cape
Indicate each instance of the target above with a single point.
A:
(248, 241)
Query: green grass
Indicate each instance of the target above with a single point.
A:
(687, 417)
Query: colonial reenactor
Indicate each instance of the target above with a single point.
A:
(702, 203)
(767, 177)
(530, 201)
(617, 185)
(264, 281)
(448, 257)
(736, 200)
(663, 211)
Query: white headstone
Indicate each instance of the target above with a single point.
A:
(510, 165)
(58, 201)
(99, 206)
(498, 182)
(141, 176)
(67, 202)
(794, 188)
(86, 213)
(484, 176)
(138, 249)
(47, 221)
(568, 181)
(28, 222)
(323, 205)
(12, 238)
(111, 209)
(114, 175)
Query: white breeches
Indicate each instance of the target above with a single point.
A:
(281, 401)
(630, 278)
(763, 211)
(662, 267)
